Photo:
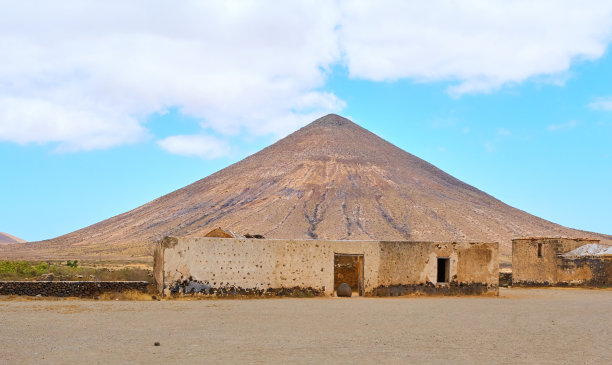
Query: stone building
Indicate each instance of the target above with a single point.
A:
(229, 266)
(546, 261)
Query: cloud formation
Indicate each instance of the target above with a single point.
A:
(86, 74)
(601, 104)
(477, 45)
(202, 146)
(562, 126)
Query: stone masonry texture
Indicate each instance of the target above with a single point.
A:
(69, 288)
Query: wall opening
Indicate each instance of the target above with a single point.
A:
(349, 269)
(443, 269)
(539, 250)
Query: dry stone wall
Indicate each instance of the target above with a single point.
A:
(69, 288)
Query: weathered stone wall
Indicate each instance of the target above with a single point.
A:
(554, 269)
(415, 264)
(256, 266)
(69, 288)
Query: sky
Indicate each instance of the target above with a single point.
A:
(105, 106)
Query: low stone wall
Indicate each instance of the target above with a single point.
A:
(69, 288)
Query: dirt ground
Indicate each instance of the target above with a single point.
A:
(520, 326)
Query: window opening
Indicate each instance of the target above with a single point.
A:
(539, 250)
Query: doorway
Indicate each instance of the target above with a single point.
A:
(348, 269)
(443, 269)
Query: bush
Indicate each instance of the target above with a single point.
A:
(73, 264)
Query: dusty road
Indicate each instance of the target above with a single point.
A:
(521, 326)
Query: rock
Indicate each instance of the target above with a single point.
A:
(156, 344)
(344, 290)
(47, 277)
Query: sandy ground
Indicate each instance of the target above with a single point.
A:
(521, 326)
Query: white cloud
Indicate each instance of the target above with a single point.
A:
(86, 74)
(602, 104)
(202, 146)
(24, 120)
(562, 126)
(481, 45)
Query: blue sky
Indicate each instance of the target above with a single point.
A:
(100, 114)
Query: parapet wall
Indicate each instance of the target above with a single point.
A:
(69, 288)
(269, 267)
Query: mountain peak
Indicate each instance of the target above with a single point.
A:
(331, 120)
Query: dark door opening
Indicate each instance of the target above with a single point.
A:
(443, 269)
(349, 269)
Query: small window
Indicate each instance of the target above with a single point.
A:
(539, 250)
(443, 269)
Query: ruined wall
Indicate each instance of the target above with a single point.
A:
(554, 269)
(261, 266)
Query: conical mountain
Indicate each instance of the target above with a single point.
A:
(332, 179)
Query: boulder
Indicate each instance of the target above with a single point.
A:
(344, 290)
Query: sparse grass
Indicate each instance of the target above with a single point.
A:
(126, 295)
(24, 270)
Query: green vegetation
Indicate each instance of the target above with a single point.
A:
(70, 271)
(18, 269)
(72, 264)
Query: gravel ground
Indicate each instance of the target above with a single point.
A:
(520, 326)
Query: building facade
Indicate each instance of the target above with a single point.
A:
(230, 266)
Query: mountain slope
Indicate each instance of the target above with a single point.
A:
(7, 239)
(329, 180)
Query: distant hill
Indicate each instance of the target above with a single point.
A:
(331, 179)
(7, 239)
